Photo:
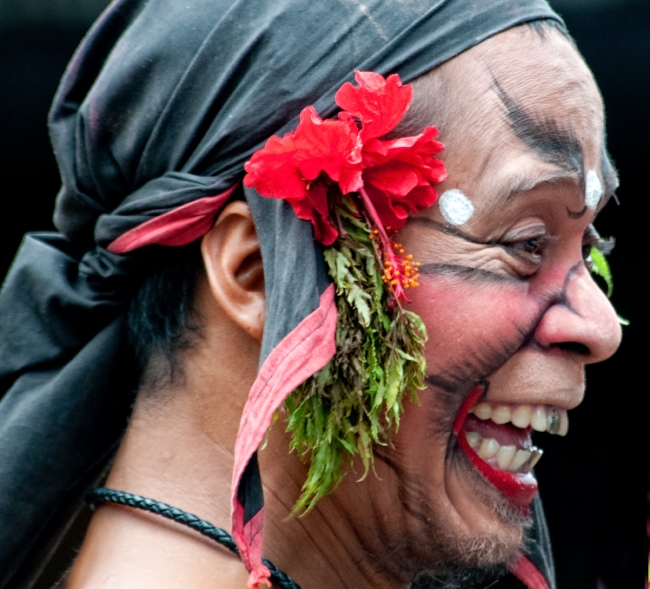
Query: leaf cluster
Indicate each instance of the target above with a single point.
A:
(356, 401)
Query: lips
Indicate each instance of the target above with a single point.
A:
(496, 440)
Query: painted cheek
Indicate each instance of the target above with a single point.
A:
(462, 315)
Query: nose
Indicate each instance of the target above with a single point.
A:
(583, 322)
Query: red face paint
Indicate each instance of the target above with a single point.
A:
(476, 326)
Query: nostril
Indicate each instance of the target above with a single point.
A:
(573, 348)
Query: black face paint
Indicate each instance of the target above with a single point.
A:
(552, 144)
(455, 381)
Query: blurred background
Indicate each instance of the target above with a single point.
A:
(594, 482)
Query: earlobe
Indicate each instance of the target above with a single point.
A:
(233, 264)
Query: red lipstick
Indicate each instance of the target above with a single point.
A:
(518, 488)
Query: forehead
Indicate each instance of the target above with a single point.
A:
(518, 104)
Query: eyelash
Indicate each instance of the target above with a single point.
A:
(531, 250)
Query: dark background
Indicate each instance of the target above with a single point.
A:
(594, 482)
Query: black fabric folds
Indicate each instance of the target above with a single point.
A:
(162, 104)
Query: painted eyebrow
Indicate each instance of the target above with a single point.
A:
(552, 144)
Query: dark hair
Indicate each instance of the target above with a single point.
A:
(162, 319)
(542, 26)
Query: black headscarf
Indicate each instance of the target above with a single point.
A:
(161, 105)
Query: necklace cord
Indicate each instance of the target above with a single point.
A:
(105, 495)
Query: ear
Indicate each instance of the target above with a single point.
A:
(233, 264)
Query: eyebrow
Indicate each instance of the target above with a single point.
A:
(555, 146)
(552, 144)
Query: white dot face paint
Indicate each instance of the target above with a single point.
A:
(593, 190)
(455, 207)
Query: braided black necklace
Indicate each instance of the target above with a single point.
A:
(104, 495)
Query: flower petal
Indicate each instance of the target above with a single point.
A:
(396, 178)
(391, 215)
(315, 208)
(272, 172)
(325, 146)
(378, 103)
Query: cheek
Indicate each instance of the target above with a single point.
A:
(465, 317)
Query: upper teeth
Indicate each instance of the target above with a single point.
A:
(541, 418)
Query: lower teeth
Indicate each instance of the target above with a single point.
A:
(507, 457)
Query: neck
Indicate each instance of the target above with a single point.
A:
(178, 449)
(173, 453)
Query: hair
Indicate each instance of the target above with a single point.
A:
(162, 318)
(543, 26)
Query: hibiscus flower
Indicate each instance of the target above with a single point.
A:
(394, 177)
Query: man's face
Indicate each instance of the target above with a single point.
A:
(512, 313)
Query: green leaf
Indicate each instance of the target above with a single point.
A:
(356, 401)
(600, 267)
(360, 299)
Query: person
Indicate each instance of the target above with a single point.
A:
(227, 306)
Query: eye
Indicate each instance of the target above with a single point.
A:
(528, 250)
(533, 246)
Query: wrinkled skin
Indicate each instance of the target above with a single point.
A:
(506, 297)
(507, 300)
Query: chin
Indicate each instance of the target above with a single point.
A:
(469, 534)
(469, 516)
(475, 537)
(494, 528)
(483, 519)
(478, 552)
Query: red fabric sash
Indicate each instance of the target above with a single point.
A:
(307, 349)
(177, 227)
(528, 574)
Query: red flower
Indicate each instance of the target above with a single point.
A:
(396, 175)
(315, 208)
(292, 168)
(378, 103)
(333, 147)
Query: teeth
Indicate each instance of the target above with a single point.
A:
(539, 421)
(489, 447)
(501, 414)
(558, 422)
(540, 418)
(521, 416)
(521, 457)
(536, 454)
(482, 411)
(473, 439)
(505, 456)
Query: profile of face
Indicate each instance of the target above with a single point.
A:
(512, 313)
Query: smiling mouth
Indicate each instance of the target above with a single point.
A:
(495, 437)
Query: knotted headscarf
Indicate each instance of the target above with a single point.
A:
(157, 113)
